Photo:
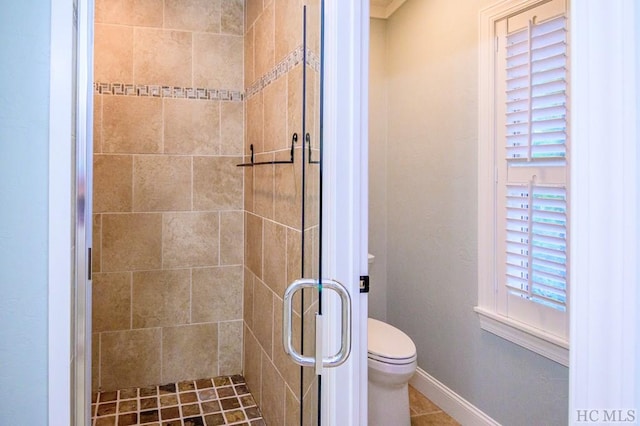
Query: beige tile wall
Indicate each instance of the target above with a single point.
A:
(168, 197)
(182, 251)
(273, 212)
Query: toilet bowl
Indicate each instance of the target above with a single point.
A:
(391, 363)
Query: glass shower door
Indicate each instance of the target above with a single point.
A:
(303, 298)
(311, 215)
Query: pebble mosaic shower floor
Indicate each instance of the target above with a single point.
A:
(222, 400)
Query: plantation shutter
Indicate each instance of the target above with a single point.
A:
(536, 249)
(537, 92)
(531, 158)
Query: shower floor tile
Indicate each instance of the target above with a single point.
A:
(224, 400)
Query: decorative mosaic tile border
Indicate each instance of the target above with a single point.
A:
(287, 64)
(173, 92)
(313, 60)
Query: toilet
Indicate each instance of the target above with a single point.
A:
(391, 363)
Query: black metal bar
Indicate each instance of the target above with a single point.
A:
(302, 206)
(307, 139)
(294, 139)
(248, 164)
(320, 227)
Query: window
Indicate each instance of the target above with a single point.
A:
(523, 175)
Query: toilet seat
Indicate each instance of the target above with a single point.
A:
(389, 345)
(393, 361)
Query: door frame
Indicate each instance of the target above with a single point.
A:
(345, 202)
(81, 294)
(61, 202)
(604, 363)
(345, 198)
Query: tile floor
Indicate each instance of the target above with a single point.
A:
(219, 401)
(207, 402)
(425, 412)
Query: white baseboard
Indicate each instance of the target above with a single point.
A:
(453, 404)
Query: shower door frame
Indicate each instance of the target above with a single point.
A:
(81, 292)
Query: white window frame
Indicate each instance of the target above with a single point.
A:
(534, 339)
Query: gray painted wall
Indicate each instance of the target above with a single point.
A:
(378, 101)
(431, 231)
(24, 115)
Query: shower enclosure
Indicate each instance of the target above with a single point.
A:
(206, 196)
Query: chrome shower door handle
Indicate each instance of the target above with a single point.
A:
(287, 328)
(287, 324)
(345, 345)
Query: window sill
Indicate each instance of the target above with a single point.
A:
(528, 337)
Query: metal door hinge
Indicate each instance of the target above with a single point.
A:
(89, 264)
(364, 283)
